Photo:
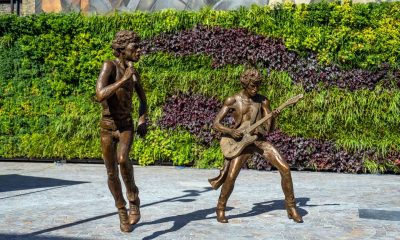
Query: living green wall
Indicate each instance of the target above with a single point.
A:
(50, 63)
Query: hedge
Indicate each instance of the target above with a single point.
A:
(50, 64)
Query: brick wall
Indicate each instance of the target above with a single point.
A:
(28, 7)
(4, 8)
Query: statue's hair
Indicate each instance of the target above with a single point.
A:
(250, 75)
(123, 38)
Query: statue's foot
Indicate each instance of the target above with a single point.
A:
(123, 220)
(221, 216)
(293, 214)
(134, 214)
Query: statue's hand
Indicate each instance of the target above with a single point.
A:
(235, 133)
(275, 112)
(128, 73)
(142, 128)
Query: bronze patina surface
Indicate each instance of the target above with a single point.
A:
(114, 90)
(247, 108)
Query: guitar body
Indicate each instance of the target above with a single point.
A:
(231, 148)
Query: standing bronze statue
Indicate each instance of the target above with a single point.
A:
(115, 86)
(253, 118)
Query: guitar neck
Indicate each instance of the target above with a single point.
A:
(268, 116)
(259, 122)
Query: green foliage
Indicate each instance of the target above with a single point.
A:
(371, 166)
(358, 120)
(62, 129)
(353, 35)
(363, 35)
(210, 157)
(177, 146)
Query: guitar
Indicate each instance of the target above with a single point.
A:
(231, 148)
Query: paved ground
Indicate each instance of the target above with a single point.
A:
(71, 201)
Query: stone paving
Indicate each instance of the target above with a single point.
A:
(72, 201)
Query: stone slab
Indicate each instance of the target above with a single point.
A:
(72, 201)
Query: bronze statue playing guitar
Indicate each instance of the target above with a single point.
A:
(253, 117)
(232, 148)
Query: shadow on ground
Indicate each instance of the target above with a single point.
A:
(187, 197)
(377, 214)
(179, 221)
(15, 182)
(10, 236)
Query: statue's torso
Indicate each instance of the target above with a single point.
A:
(119, 105)
(246, 109)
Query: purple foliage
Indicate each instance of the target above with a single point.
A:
(396, 76)
(302, 153)
(239, 46)
(192, 112)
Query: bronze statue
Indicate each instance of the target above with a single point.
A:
(252, 118)
(115, 86)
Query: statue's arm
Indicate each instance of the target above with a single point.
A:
(104, 90)
(217, 125)
(142, 126)
(142, 99)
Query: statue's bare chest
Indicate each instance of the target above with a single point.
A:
(126, 90)
(247, 108)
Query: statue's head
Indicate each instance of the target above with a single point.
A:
(251, 81)
(126, 45)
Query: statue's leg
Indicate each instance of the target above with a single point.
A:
(125, 143)
(217, 181)
(276, 159)
(109, 147)
(227, 188)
